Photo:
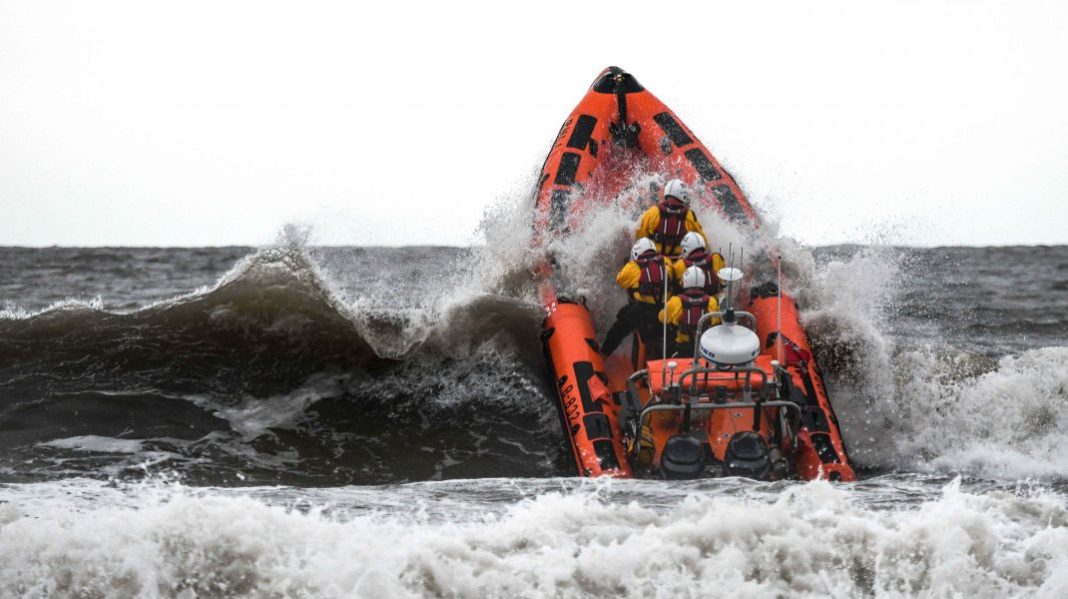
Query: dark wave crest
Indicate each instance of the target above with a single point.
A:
(314, 367)
(269, 376)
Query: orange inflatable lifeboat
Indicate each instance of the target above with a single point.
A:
(765, 414)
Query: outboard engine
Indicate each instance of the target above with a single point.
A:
(683, 458)
(747, 455)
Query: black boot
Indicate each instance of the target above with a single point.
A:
(623, 326)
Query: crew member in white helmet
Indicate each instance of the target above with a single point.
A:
(685, 310)
(668, 221)
(695, 253)
(644, 279)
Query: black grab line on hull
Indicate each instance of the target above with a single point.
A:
(580, 135)
(558, 208)
(673, 129)
(730, 203)
(568, 170)
(703, 165)
(598, 428)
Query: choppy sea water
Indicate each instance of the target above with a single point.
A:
(376, 422)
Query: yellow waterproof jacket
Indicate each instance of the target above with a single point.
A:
(630, 277)
(651, 220)
(673, 309)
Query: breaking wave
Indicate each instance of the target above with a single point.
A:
(275, 373)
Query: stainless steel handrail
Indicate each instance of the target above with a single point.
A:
(789, 406)
(748, 370)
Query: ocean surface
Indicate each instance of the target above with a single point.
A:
(304, 421)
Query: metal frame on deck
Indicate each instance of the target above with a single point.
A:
(636, 415)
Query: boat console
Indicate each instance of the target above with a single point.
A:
(717, 415)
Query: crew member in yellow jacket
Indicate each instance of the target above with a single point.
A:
(695, 253)
(668, 221)
(685, 310)
(645, 279)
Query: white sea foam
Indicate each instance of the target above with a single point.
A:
(1006, 423)
(123, 456)
(253, 416)
(812, 540)
(97, 444)
(11, 311)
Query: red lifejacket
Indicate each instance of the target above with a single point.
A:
(672, 227)
(703, 260)
(694, 306)
(653, 273)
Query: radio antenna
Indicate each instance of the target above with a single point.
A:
(730, 282)
(779, 353)
(663, 356)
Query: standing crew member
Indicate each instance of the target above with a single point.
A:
(695, 253)
(668, 221)
(643, 278)
(685, 310)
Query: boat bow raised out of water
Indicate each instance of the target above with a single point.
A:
(753, 403)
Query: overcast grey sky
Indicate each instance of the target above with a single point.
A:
(217, 122)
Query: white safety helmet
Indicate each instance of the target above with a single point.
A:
(692, 241)
(677, 189)
(640, 247)
(693, 277)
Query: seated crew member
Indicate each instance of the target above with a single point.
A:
(685, 310)
(695, 253)
(668, 221)
(643, 278)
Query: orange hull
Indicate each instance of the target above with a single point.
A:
(587, 413)
(821, 452)
(618, 112)
(617, 127)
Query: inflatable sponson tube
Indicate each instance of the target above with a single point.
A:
(619, 114)
(619, 126)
